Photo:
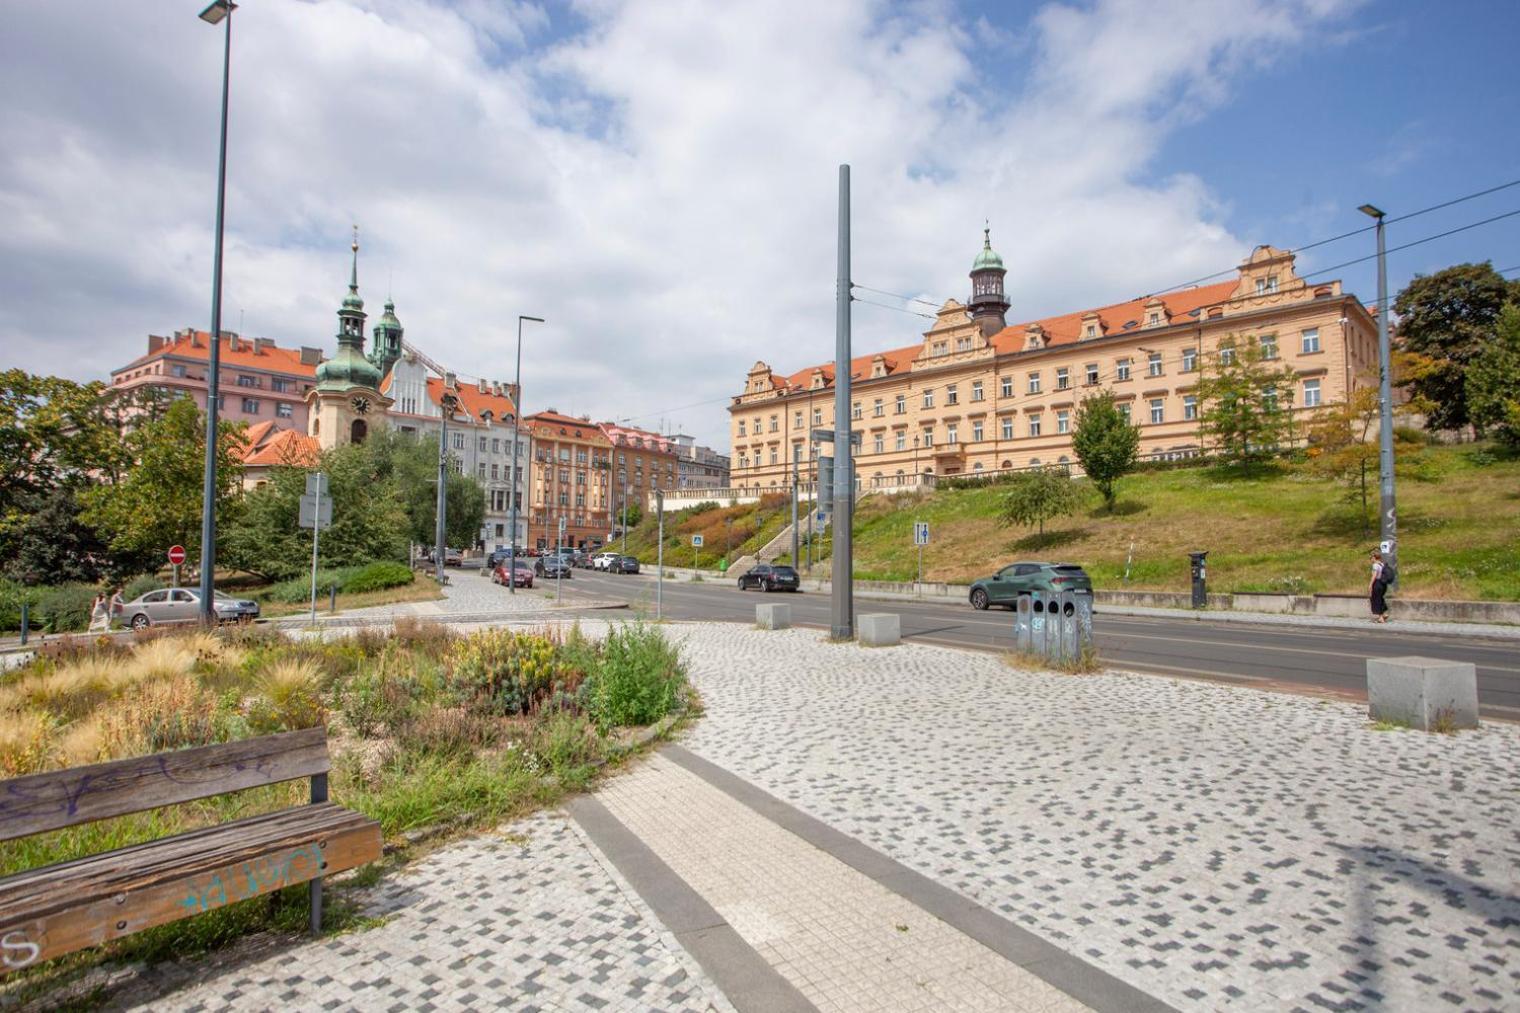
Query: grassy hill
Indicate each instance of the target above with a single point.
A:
(1286, 530)
(745, 528)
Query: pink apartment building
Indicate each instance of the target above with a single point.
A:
(260, 381)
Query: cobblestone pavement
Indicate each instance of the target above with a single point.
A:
(533, 919)
(467, 593)
(846, 942)
(1215, 846)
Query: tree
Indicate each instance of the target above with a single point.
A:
(1245, 403)
(1105, 442)
(54, 546)
(1037, 496)
(157, 503)
(1340, 447)
(1493, 398)
(369, 520)
(408, 465)
(1449, 317)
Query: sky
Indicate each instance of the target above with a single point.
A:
(658, 180)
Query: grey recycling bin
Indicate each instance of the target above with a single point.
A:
(1057, 627)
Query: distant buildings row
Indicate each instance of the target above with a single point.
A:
(298, 402)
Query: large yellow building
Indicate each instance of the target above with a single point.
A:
(978, 396)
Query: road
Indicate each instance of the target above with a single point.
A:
(1322, 660)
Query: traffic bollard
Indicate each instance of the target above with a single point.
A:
(26, 617)
(332, 598)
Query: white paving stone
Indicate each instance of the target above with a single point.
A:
(1215, 846)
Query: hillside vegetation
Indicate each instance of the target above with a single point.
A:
(1282, 529)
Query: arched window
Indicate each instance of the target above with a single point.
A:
(1034, 462)
(1062, 460)
(1006, 464)
(316, 426)
(977, 466)
(358, 431)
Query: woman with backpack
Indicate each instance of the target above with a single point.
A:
(1382, 578)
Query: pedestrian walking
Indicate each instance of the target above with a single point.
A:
(118, 605)
(1382, 577)
(100, 614)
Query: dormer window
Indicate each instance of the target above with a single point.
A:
(1092, 331)
(1154, 319)
(1267, 285)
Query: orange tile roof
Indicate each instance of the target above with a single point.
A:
(474, 399)
(285, 447)
(549, 423)
(1059, 330)
(651, 440)
(197, 345)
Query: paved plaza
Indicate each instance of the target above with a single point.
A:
(918, 827)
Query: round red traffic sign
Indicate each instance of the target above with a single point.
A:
(176, 554)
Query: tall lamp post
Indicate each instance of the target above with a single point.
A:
(446, 405)
(512, 465)
(1386, 503)
(217, 12)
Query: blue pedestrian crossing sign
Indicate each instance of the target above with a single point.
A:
(920, 532)
(696, 541)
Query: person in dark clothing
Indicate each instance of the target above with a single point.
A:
(1378, 592)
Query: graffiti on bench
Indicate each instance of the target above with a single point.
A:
(16, 950)
(250, 879)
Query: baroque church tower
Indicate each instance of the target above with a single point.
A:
(346, 400)
(989, 303)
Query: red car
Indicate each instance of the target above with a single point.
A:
(522, 574)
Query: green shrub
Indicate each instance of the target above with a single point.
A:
(503, 671)
(11, 597)
(377, 577)
(66, 607)
(638, 678)
(297, 590)
(140, 585)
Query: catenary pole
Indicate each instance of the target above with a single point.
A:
(212, 14)
(443, 456)
(842, 624)
(659, 557)
(1386, 502)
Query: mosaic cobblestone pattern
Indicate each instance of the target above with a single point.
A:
(467, 593)
(1217, 847)
(530, 919)
(844, 941)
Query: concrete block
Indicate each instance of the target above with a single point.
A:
(773, 617)
(1423, 692)
(878, 629)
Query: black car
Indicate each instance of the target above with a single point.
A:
(553, 566)
(770, 578)
(623, 564)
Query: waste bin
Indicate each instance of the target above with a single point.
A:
(1200, 579)
(723, 565)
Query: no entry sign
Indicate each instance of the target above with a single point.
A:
(176, 554)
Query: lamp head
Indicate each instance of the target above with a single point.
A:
(1370, 211)
(217, 10)
(536, 320)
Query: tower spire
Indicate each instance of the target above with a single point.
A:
(353, 279)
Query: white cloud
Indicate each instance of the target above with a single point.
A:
(657, 179)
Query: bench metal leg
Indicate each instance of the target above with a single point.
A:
(318, 794)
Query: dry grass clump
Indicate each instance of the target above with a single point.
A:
(153, 715)
(425, 635)
(23, 742)
(162, 658)
(290, 695)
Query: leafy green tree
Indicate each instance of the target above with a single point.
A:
(409, 466)
(1105, 442)
(1343, 448)
(369, 518)
(1493, 382)
(54, 546)
(1037, 496)
(157, 502)
(1245, 402)
(1449, 317)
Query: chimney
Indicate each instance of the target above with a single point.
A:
(310, 356)
(451, 381)
(262, 345)
(155, 343)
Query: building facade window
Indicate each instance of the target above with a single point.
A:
(283, 410)
(1063, 421)
(1153, 364)
(952, 396)
(878, 408)
(1158, 411)
(976, 390)
(1034, 425)
(1007, 428)
(1311, 394)
(247, 381)
(1034, 383)
(878, 444)
(1063, 378)
(929, 398)
(1121, 369)
(1006, 387)
(855, 410)
(1189, 407)
(817, 416)
(900, 442)
(1092, 374)
(1227, 355)
(1269, 346)
(1189, 359)
(976, 432)
(1267, 285)
(928, 437)
(178, 369)
(952, 433)
(250, 406)
(1310, 341)
(741, 427)
(458, 441)
(1124, 411)
(775, 425)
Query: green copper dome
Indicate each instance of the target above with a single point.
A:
(349, 368)
(987, 258)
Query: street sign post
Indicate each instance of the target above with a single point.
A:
(659, 555)
(176, 557)
(559, 571)
(827, 436)
(920, 539)
(696, 543)
(315, 513)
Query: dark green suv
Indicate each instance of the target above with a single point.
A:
(1015, 579)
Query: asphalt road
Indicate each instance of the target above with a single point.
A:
(1321, 660)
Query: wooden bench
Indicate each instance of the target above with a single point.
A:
(61, 908)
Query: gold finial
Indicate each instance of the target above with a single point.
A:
(987, 233)
(356, 239)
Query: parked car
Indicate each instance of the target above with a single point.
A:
(585, 559)
(452, 557)
(183, 605)
(1017, 579)
(603, 560)
(553, 566)
(522, 573)
(767, 577)
(499, 556)
(623, 564)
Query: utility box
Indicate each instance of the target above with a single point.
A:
(1200, 575)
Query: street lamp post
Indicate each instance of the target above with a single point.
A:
(512, 465)
(1386, 503)
(217, 12)
(446, 405)
(623, 520)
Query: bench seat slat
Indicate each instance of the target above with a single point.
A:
(61, 908)
(62, 798)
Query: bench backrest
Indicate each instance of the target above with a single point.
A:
(62, 798)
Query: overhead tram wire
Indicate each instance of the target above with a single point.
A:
(896, 295)
(899, 309)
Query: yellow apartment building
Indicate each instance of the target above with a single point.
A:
(977, 395)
